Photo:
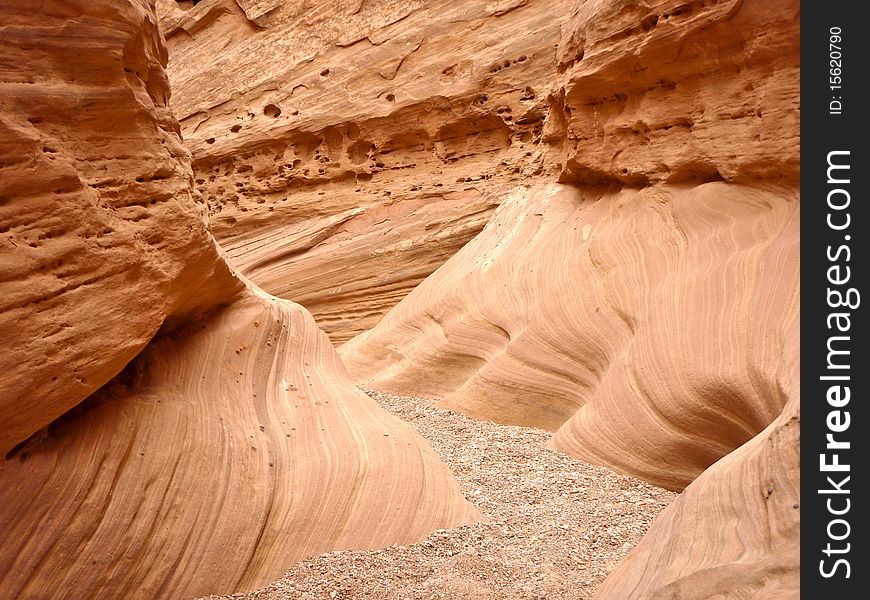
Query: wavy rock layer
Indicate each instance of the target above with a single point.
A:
(231, 449)
(98, 224)
(234, 444)
(646, 327)
(347, 149)
(643, 311)
(735, 531)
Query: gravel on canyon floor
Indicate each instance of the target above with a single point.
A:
(555, 526)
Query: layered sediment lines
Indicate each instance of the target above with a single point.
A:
(623, 182)
(642, 308)
(229, 450)
(346, 150)
(735, 530)
(98, 223)
(646, 327)
(234, 444)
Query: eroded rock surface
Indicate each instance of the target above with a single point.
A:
(234, 444)
(645, 327)
(228, 451)
(635, 291)
(347, 149)
(642, 310)
(101, 238)
(735, 530)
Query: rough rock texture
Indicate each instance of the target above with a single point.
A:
(659, 284)
(635, 291)
(680, 91)
(347, 149)
(642, 308)
(100, 237)
(234, 445)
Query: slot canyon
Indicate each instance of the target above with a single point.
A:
(427, 299)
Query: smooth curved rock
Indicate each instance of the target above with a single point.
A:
(735, 531)
(646, 310)
(230, 449)
(645, 327)
(234, 445)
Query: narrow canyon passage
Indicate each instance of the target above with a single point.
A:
(553, 526)
(559, 240)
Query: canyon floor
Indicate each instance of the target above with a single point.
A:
(554, 526)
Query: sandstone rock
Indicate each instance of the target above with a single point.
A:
(680, 91)
(644, 311)
(226, 452)
(636, 290)
(735, 531)
(646, 327)
(381, 135)
(234, 444)
(101, 237)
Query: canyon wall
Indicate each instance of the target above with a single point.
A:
(169, 429)
(639, 308)
(609, 194)
(645, 327)
(101, 239)
(735, 531)
(347, 149)
(642, 306)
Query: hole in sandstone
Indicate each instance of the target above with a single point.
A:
(324, 73)
(650, 22)
(236, 128)
(391, 97)
(17, 448)
(272, 110)
(210, 141)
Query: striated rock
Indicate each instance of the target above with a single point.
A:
(101, 238)
(230, 449)
(735, 531)
(347, 149)
(680, 91)
(621, 178)
(234, 445)
(644, 308)
(646, 327)
(641, 311)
